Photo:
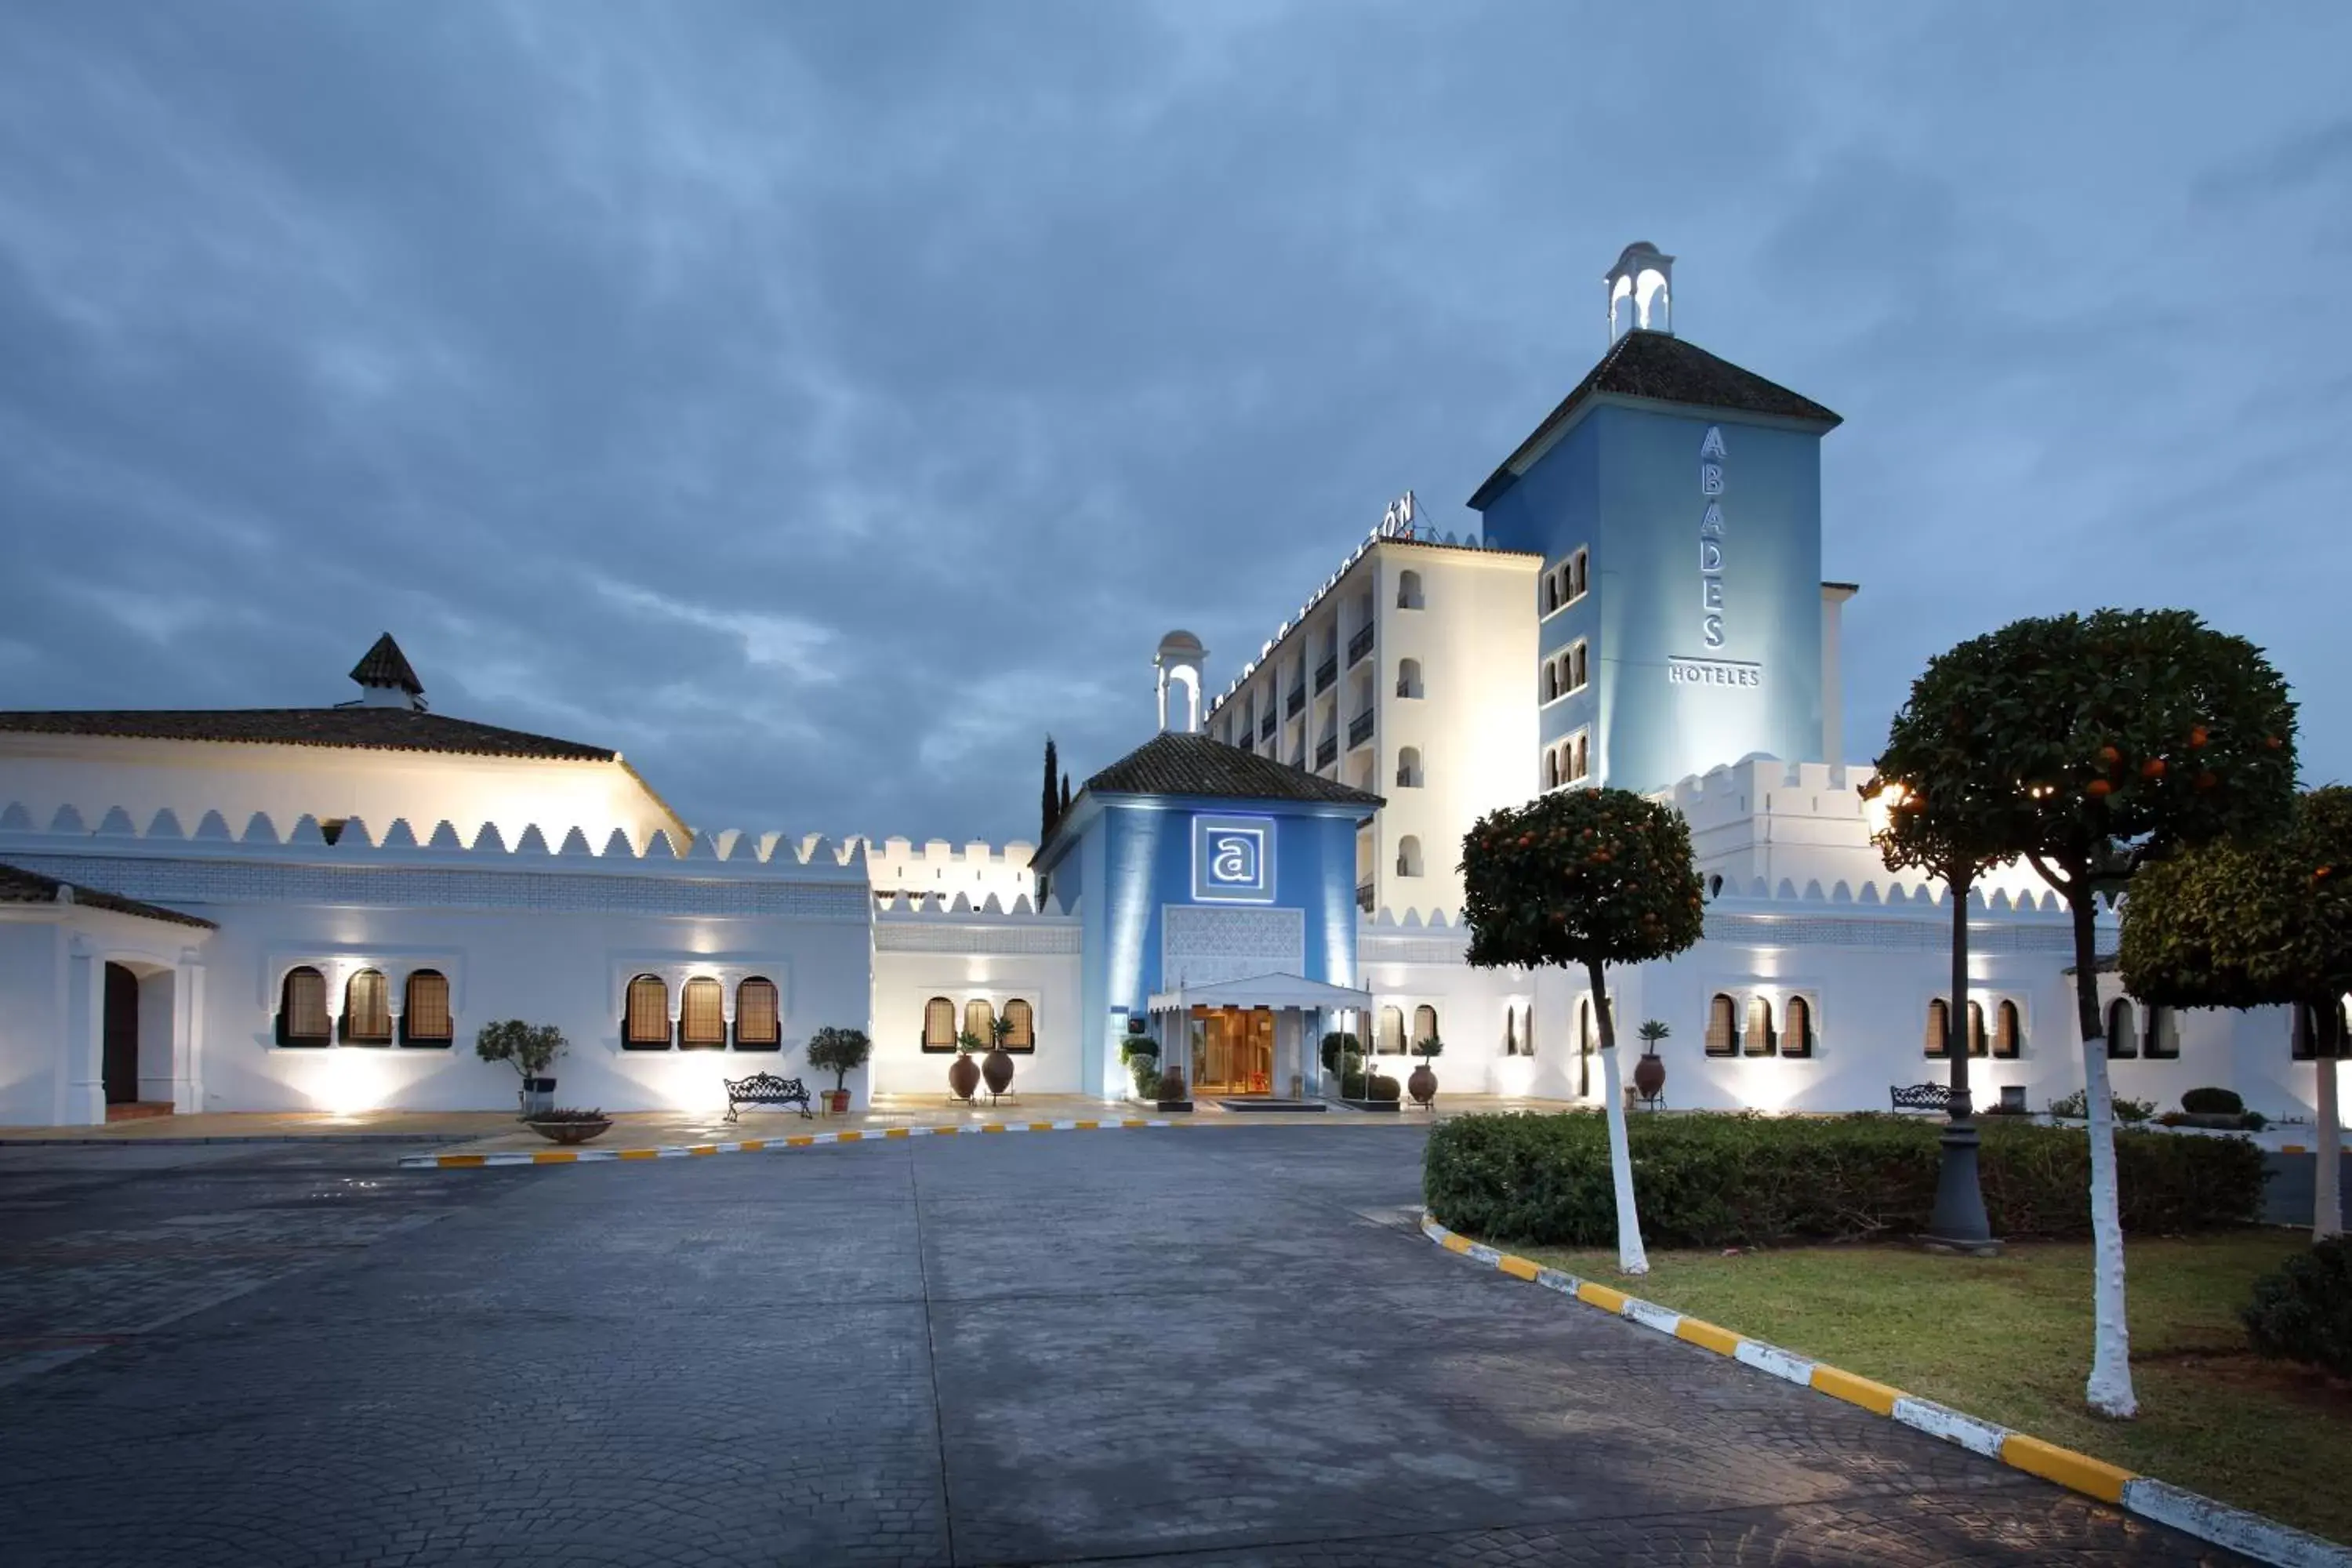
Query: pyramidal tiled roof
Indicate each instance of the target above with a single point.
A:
(385, 665)
(18, 886)
(368, 729)
(1664, 368)
(1177, 763)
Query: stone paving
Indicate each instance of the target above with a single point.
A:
(1134, 1346)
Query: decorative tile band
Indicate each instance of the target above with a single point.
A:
(2264, 1540)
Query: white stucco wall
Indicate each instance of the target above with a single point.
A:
(919, 954)
(95, 775)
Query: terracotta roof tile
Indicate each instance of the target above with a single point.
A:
(1175, 763)
(366, 729)
(18, 886)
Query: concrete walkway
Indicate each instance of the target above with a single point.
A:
(1152, 1347)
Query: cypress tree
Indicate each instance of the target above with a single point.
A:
(1048, 810)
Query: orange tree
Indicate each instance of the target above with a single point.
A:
(1585, 878)
(2090, 745)
(2259, 925)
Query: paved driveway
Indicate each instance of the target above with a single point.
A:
(1183, 1346)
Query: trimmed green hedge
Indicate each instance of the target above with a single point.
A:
(1742, 1180)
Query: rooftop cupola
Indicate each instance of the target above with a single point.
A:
(1641, 291)
(1179, 662)
(385, 678)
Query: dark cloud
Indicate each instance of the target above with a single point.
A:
(821, 403)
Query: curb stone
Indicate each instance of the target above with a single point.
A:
(2250, 1534)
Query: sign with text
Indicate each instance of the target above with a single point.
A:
(1233, 859)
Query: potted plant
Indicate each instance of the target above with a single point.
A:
(1141, 1054)
(996, 1070)
(528, 1048)
(1650, 1072)
(839, 1052)
(568, 1126)
(1172, 1096)
(1423, 1084)
(963, 1073)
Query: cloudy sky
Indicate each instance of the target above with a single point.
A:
(821, 401)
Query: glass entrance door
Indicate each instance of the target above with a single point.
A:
(1233, 1050)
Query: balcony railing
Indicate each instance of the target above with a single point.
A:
(1295, 702)
(1360, 729)
(1358, 646)
(1265, 725)
(1327, 752)
(1364, 896)
(1326, 673)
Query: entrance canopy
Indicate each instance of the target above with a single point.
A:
(1259, 991)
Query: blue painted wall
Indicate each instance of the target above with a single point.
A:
(1624, 482)
(1131, 858)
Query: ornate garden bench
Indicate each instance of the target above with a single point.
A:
(1930, 1097)
(764, 1089)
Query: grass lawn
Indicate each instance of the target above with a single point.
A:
(2008, 1339)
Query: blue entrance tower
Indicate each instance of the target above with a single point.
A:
(1677, 500)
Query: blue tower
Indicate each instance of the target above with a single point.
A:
(1677, 500)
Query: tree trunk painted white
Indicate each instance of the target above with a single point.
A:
(2109, 1389)
(1631, 1259)
(2327, 1216)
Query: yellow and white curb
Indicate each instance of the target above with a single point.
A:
(762, 1145)
(2264, 1540)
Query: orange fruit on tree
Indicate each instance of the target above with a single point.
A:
(2097, 787)
(2152, 768)
(2197, 737)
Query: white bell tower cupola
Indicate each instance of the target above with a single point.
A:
(1179, 662)
(1641, 291)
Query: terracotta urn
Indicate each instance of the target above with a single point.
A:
(996, 1068)
(1649, 1075)
(1421, 1085)
(963, 1077)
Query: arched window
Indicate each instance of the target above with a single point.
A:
(646, 1025)
(977, 1018)
(1547, 593)
(302, 1016)
(1392, 1036)
(1409, 678)
(1939, 1027)
(1408, 773)
(1722, 1027)
(1579, 573)
(1976, 1029)
(367, 1009)
(2008, 1032)
(2163, 1033)
(702, 1015)
(424, 1020)
(1409, 855)
(2123, 1039)
(1510, 1031)
(1760, 1040)
(1022, 1037)
(1549, 687)
(1551, 768)
(938, 1025)
(1424, 1024)
(1580, 764)
(1409, 590)
(1576, 667)
(1588, 1040)
(1798, 1040)
(759, 1021)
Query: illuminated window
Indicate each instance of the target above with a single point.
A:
(1023, 1036)
(1939, 1027)
(2122, 1039)
(1722, 1027)
(2008, 1032)
(302, 1017)
(977, 1016)
(1409, 855)
(2163, 1033)
(646, 1026)
(1760, 1040)
(759, 1021)
(425, 1020)
(1424, 1024)
(1510, 1031)
(1976, 1029)
(1391, 1039)
(367, 1009)
(1798, 1040)
(702, 1015)
(938, 1025)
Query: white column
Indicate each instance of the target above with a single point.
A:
(188, 1038)
(1834, 597)
(81, 1084)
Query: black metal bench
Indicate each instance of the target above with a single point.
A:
(764, 1089)
(1930, 1097)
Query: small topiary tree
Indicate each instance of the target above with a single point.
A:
(2090, 746)
(2212, 1102)
(839, 1052)
(2304, 1312)
(528, 1048)
(2258, 924)
(1339, 1043)
(1581, 880)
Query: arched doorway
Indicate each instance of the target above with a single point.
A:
(118, 1065)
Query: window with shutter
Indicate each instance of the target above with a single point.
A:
(938, 1025)
(1798, 1040)
(1722, 1027)
(2122, 1039)
(759, 1021)
(646, 1026)
(2008, 1032)
(702, 1015)
(367, 1009)
(425, 1020)
(1023, 1036)
(1939, 1027)
(1760, 1041)
(302, 1016)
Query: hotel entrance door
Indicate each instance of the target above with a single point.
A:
(1233, 1050)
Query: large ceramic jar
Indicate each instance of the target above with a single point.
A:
(1649, 1076)
(997, 1070)
(963, 1076)
(1421, 1085)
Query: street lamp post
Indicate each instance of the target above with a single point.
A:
(1959, 1223)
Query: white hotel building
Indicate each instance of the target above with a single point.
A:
(314, 908)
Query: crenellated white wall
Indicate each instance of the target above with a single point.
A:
(93, 774)
(976, 872)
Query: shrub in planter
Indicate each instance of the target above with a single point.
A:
(1382, 1087)
(1339, 1043)
(568, 1125)
(2303, 1311)
(1745, 1180)
(530, 1049)
(2076, 1107)
(2212, 1102)
(839, 1052)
